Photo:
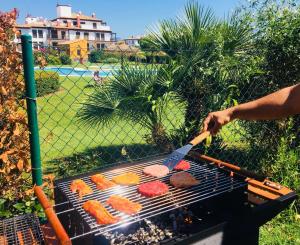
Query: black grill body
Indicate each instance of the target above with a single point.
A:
(232, 218)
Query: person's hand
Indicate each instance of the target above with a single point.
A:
(215, 120)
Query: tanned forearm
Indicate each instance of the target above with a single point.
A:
(283, 103)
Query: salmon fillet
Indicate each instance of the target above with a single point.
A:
(183, 165)
(124, 205)
(101, 182)
(156, 170)
(99, 212)
(153, 188)
(183, 180)
(80, 187)
(127, 179)
(3, 240)
(20, 238)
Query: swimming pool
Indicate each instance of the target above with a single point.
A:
(70, 71)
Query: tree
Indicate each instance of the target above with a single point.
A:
(137, 94)
(209, 55)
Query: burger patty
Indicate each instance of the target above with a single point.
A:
(156, 170)
(153, 188)
(183, 165)
(183, 180)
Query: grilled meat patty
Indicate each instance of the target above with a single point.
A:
(95, 209)
(153, 188)
(183, 165)
(127, 179)
(183, 180)
(124, 205)
(81, 187)
(156, 170)
(101, 182)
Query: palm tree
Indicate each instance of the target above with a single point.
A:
(205, 52)
(135, 93)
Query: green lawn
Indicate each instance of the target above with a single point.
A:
(61, 134)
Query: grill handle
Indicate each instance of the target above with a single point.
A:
(52, 217)
(236, 169)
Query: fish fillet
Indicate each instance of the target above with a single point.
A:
(101, 182)
(124, 205)
(127, 179)
(80, 187)
(99, 212)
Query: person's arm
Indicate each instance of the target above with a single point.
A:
(283, 103)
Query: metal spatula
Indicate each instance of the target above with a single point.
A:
(176, 156)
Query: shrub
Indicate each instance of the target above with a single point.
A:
(111, 60)
(46, 82)
(53, 60)
(95, 56)
(65, 59)
(14, 145)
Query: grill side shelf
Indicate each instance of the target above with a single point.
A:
(213, 182)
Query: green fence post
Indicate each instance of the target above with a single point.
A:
(31, 109)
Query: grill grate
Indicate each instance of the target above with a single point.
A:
(24, 229)
(213, 182)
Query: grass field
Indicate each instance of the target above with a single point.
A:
(62, 135)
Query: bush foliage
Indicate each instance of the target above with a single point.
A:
(95, 56)
(65, 59)
(14, 145)
(46, 82)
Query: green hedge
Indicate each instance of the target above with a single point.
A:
(47, 82)
(65, 59)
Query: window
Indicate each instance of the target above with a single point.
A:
(78, 52)
(35, 45)
(74, 23)
(34, 33)
(88, 46)
(95, 25)
(40, 32)
(98, 46)
(65, 21)
(41, 45)
(102, 36)
(97, 36)
(54, 34)
(102, 45)
(86, 36)
(77, 35)
(63, 35)
(82, 22)
(54, 44)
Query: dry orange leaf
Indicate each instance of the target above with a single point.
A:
(20, 165)
(4, 157)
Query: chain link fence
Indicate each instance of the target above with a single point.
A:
(98, 107)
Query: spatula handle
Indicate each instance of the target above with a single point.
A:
(200, 138)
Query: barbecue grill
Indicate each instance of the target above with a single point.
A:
(24, 229)
(239, 203)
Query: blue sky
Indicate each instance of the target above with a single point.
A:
(126, 17)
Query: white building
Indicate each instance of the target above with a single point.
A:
(68, 26)
(133, 40)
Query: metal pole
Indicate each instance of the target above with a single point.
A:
(31, 109)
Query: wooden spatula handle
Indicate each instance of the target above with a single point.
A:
(200, 138)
